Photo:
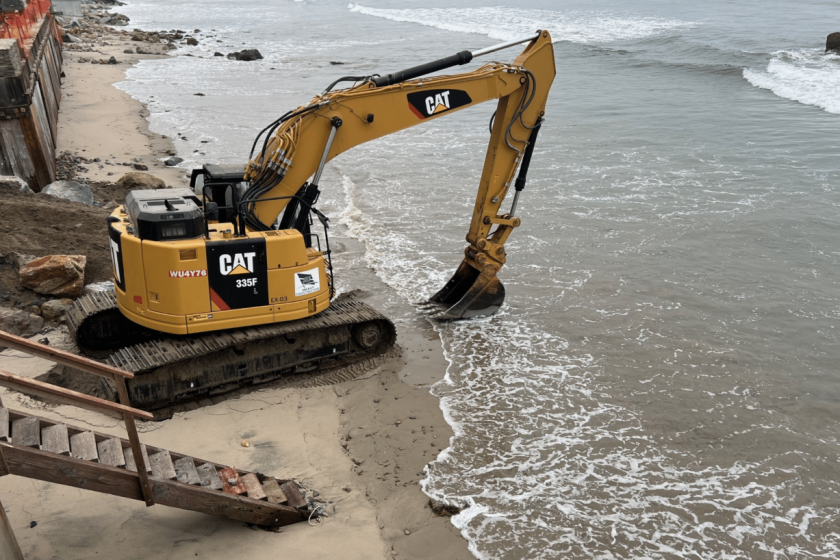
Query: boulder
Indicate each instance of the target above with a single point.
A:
(832, 42)
(141, 167)
(55, 275)
(151, 49)
(192, 42)
(55, 309)
(70, 190)
(173, 161)
(246, 55)
(21, 323)
(137, 180)
(217, 53)
(13, 183)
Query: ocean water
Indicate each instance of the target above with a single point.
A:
(663, 379)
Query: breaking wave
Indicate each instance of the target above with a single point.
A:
(807, 76)
(577, 27)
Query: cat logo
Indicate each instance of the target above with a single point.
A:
(433, 102)
(240, 263)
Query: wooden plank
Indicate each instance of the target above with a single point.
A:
(66, 396)
(292, 492)
(26, 432)
(138, 453)
(60, 469)
(4, 424)
(186, 471)
(9, 549)
(14, 147)
(273, 492)
(209, 476)
(231, 483)
(55, 439)
(34, 138)
(241, 508)
(162, 466)
(83, 446)
(60, 356)
(130, 464)
(111, 452)
(253, 486)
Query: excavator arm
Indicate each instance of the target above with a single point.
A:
(297, 146)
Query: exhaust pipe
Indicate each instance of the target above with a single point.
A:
(469, 293)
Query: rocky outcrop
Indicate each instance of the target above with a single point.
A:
(55, 309)
(246, 55)
(21, 323)
(138, 180)
(70, 190)
(55, 275)
(832, 42)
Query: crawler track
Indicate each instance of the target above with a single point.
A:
(172, 369)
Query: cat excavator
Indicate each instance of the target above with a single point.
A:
(230, 282)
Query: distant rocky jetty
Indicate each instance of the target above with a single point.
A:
(832, 42)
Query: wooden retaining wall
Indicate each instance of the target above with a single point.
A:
(30, 94)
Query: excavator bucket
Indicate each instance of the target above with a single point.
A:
(469, 293)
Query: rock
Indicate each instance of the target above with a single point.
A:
(55, 275)
(141, 167)
(335, 63)
(98, 287)
(21, 323)
(20, 259)
(151, 49)
(217, 53)
(70, 38)
(70, 190)
(832, 42)
(13, 183)
(407, 532)
(173, 161)
(199, 94)
(105, 20)
(246, 55)
(128, 51)
(55, 309)
(192, 42)
(112, 60)
(443, 509)
(136, 180)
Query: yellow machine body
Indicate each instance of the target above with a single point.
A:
(167, 284)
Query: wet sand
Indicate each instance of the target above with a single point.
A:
(362, 443)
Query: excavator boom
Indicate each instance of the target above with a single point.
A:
(299, 144)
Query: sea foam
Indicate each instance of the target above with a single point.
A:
(577, 27)
(808, 76)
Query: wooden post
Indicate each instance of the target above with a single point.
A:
(136, 448)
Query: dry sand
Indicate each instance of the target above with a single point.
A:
(362, 444)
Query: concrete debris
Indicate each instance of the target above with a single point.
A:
(56, 275)
(70, 190)
(21, 323)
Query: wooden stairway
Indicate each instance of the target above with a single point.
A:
(38, 448)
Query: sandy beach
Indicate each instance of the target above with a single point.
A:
(362, 443)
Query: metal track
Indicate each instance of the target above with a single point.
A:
(174, 369)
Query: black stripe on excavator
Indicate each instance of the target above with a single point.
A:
(462, 57)
(115, 246)
(433, 102)
(238, 273)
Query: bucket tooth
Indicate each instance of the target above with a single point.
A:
(470, 293)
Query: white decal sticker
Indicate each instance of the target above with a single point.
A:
(307, 282)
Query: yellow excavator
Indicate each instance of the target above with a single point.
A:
(229, 282)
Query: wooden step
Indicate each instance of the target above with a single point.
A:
(292, 492)
(273, 492)
(253, 486)
(5, 435)
(83, 446)
(209, 476)
(231, 483)
(129, 459)
(26, 432)
(111, 452)
(162, 466)
(55, 439)
(186, 471)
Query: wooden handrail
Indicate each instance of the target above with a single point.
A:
(62, 357)
(41, 389)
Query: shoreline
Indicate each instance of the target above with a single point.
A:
(363, 444)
